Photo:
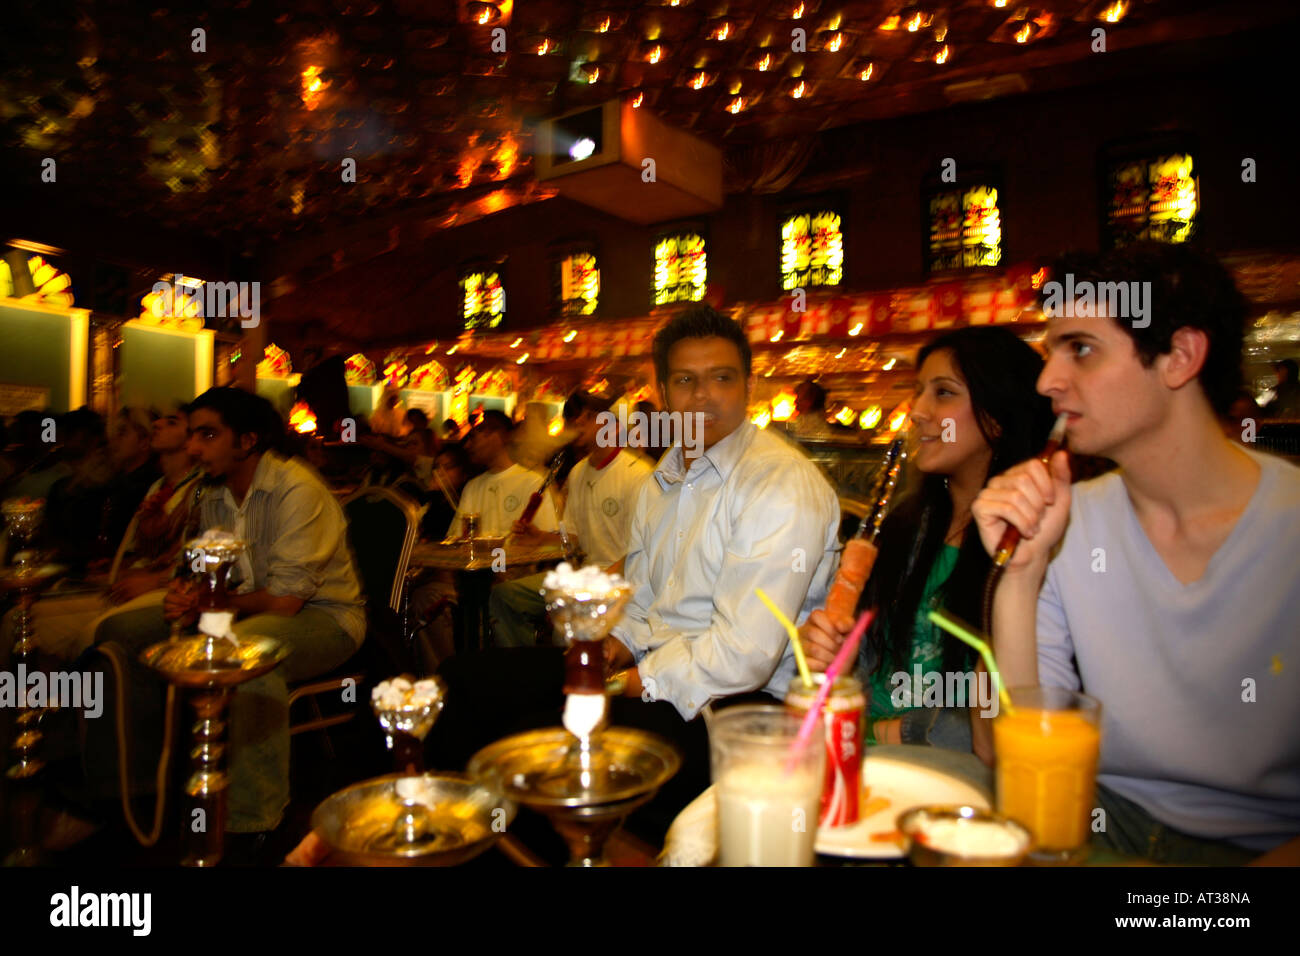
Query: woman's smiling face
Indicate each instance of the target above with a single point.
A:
(943, 419)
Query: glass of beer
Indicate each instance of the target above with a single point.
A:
(1047, 752)
(767, 806)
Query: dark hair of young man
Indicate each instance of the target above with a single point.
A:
(495, 421)
(245, 414)
(700, 322)
(417, 418)
(584, 401)
(1189, 289)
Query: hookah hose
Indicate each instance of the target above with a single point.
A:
(116, 660)
(990, 589)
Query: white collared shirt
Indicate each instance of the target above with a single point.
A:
(498, 499)
(751, 512)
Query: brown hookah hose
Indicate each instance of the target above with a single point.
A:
(990, 589)
(115, 660)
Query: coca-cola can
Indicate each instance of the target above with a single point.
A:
(844, 719)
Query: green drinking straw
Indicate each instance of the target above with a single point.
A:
(958, 630)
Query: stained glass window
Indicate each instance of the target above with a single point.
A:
(681, 269)
(965, 229)
(1154, 198)
(484, 299)
(579, 283)
(812, 250)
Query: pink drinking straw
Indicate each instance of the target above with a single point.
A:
(813, 717)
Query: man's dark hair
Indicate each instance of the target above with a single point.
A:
(245, 414)
(81, 423)
(495, 420)
(1189, 289)
(816, 394)
(456, 452)
(1291, 368)
(700, 322)
(584, 401)
(417, 417)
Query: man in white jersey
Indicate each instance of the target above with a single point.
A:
(1168, 589)
(498, 496)
(602, 490)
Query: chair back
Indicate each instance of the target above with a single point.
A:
(382, 528)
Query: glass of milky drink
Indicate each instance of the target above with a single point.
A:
(767, 803)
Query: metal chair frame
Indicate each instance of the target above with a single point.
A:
(313, 689)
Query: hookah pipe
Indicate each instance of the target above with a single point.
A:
(117, 662)
(860, 551)
(1011, 536)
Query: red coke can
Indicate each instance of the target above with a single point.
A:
(844, 719)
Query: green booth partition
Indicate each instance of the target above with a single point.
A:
(159, 366)
(44, 358)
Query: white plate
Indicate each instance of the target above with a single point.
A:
(905, 785)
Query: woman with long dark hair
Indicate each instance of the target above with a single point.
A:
(975, 412)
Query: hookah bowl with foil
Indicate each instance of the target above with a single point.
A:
(211, 558)
(584, 618)
(22, 517)
(406, 712)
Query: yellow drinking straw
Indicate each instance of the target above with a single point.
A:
(793, 631)
(957, 630)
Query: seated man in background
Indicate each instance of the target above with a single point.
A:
(435, 591)
(603, 488)
(499, 494)
(65, 624)
(297, 584)
(75, 501)
(1168, 590)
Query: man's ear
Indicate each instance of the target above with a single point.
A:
(247, 442)
(1188, 350)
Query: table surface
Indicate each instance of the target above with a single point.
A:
(455, 557)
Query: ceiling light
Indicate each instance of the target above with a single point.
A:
(483, 13)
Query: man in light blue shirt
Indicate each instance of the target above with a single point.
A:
(739, 511)
(1170, 589)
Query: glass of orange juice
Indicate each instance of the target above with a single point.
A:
(1046, 747)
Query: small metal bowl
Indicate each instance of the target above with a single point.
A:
(464, 819)
(924, 852)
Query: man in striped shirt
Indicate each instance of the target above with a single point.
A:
(295, 584)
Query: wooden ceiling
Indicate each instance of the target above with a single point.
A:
(240, 131)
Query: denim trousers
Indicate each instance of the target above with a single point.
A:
(517, 610)
(258, 740)
(1131, 831)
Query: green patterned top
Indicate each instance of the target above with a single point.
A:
(891, 697)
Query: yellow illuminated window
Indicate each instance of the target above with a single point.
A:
(579, 284)
(1153, 199)
(965, 229)
(812, 250)
(484, 299)
(681, 269)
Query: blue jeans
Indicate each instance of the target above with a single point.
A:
(1132, 831)
(517, 609)
(259, 714)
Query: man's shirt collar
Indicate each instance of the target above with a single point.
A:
(723, 457)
